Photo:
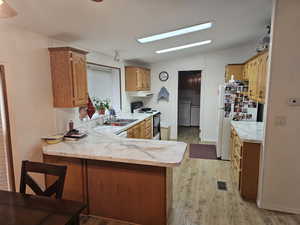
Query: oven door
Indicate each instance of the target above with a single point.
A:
(156, 126)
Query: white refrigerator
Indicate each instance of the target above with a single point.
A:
(233, 104)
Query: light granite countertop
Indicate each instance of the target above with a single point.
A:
(249, 131)
(118, 129)
(102, 143)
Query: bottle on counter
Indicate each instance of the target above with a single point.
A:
(71, 125)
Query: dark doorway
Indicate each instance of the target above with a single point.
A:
(189, 95)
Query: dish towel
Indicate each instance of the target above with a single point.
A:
(163, 94)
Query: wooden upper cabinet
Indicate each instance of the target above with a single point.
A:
(262, 81)
(256, 72)
(146, 79)
(137, 79)
(236, 70)
(69, 77)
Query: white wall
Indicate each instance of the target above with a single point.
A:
(280, 170)
(26, 60)
(213, 69)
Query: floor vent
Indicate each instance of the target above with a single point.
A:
(222, 186)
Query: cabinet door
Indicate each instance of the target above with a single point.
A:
(143, 129)
(235, 70)
(258, 77)
(136, 131)
(244, 72)
(253, 70)
(75, 182)
(147, 80)
(79, 75)
(139, 79)
(130, 133)
(263, 77)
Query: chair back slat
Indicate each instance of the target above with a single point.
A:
(33, 185)
(44, 168)
(47, 169)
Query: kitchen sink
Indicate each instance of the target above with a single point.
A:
(119, 122)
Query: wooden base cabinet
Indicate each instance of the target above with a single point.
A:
(75, 182)
(245, 158)
(141, 130)
(133, 193)
(138, 194)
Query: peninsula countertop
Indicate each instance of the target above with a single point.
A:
(249, 131)
(109, 147)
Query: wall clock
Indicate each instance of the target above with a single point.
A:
(163, 76)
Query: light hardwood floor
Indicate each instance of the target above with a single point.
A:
(197, 201)
(189, 134)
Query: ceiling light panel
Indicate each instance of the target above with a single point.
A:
(175, 33)
(184, 47)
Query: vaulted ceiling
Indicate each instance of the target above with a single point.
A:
(115, 24)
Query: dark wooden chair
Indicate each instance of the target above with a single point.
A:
(47, 169)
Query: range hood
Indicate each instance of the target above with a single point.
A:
(141, 94)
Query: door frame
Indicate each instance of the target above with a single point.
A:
(6, 125)
(201, 96)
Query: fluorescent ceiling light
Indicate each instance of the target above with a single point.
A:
(6, 11)
(184, 46)
(174, 33)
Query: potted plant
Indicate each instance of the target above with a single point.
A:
(100, 105)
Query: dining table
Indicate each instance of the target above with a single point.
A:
(25, 209)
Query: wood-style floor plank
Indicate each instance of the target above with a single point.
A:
(197, 201)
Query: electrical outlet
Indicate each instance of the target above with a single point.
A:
(294, 101)
(280, 121)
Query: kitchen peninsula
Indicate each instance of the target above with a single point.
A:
(125, 179)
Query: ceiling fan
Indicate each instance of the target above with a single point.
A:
(6, 11)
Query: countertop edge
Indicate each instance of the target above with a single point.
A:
(120, 160)
(243, 139)
(107, 159)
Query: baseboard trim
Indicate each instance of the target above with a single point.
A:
(275, 207)
(208, 142)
